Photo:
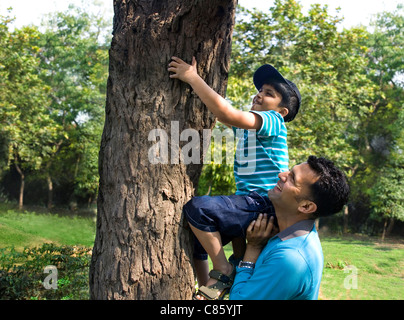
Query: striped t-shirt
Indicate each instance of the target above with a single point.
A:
(262, 155)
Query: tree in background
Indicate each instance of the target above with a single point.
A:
(74, 61)
(27, 129)
(53, 96)
(381, 179)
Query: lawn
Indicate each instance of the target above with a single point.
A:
(27, 228)
(378, 267)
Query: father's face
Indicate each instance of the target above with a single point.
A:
(293, 186)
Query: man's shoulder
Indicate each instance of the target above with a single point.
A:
(300, 249)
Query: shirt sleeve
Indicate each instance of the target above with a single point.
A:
(271, 123)
(281, 276)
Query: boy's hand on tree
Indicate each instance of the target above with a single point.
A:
(181, 70)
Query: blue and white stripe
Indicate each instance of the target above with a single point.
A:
(261, 155)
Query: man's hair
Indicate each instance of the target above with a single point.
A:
(331, 191)
(289, 101)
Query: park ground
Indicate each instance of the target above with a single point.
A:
(357, 267)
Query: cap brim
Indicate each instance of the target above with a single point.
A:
(267, 73)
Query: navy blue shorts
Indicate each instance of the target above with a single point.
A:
(229, 215)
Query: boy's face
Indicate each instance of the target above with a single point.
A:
(267, 99)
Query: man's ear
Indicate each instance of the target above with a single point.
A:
(307, 207)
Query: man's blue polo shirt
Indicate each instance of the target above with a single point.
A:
(289, 267)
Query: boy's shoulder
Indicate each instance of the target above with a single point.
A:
(269, 115)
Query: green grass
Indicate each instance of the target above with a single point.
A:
(380, 269)
(26, 229)
(380, 266)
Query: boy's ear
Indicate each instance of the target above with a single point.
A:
(284, 112)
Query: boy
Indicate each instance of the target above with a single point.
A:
(216, 221)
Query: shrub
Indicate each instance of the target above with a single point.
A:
(22, 274)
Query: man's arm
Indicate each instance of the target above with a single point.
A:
(224, 112)
(278, 277)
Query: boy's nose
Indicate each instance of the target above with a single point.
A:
(283, 175)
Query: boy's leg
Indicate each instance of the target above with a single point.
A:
(212, 243)
(239, 246)
(202, 271)
(229, 215)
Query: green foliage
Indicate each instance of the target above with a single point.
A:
(387, 196)
(25, 124)
(381, 175)
(53, 88)
(22, 273)
(217, 176)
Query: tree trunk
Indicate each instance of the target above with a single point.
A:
(346, 213)
(387, 227)
(390, 227)
(22, 184)
(384, 229)
(143, 246)
(50, 190)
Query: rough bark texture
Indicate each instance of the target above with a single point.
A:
(143, 246)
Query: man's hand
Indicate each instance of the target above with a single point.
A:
(258, 233)
(183, 71)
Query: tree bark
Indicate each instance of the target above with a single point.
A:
(143, 246)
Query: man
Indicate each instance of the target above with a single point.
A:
(289, 266)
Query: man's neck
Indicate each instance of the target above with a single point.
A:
(287, 220)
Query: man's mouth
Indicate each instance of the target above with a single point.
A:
(278, 187)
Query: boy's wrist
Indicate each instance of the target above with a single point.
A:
(194, 80)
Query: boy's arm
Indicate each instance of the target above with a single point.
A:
(224, 112)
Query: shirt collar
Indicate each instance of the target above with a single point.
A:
(299, 229)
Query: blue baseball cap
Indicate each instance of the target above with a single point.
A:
(268, 73)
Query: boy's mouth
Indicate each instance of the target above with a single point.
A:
(255, 105)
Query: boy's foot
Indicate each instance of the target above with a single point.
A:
(218, 285)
